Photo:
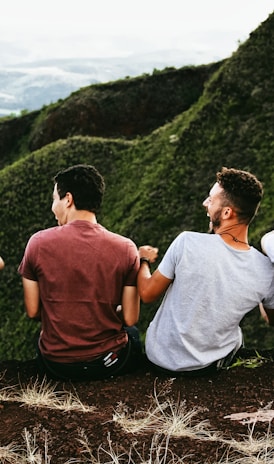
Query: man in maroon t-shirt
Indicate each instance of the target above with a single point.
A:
(80, 279)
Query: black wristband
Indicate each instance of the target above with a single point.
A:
(145, 260)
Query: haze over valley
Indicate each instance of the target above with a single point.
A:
(29, 86)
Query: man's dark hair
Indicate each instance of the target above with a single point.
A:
(242, 191)
(85, 184)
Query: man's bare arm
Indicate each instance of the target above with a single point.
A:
(130, 305)
(31, 297)
(151, 287)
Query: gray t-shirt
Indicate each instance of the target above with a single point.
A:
(267, 243)
(214, 286)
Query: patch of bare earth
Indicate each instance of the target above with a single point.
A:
(138, 418)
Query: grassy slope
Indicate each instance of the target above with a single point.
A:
(125, 108)
(155, 183)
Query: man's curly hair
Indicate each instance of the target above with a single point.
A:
(242, 191)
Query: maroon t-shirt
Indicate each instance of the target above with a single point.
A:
(81, 269)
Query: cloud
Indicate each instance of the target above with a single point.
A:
(58, 28)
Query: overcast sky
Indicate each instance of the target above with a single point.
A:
(35, 29)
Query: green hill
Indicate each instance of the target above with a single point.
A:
(158, 140)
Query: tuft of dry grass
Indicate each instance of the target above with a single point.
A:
(255, 446)
(27, 453)
(10, 454)
(159, 453)
(44, 395)
(32, 452)
(169, 418)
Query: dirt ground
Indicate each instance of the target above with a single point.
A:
(237, 390)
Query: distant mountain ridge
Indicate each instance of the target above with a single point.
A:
(125, 108)
(29, 86)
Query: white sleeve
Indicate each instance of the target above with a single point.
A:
(267, 244)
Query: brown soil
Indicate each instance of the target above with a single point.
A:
(239, 389)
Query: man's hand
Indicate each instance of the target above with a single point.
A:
(263, 313)
(149, 252)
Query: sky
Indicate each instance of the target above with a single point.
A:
(35, 30)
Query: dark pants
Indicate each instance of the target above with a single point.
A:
(111, 364)
(212, 369)
(209, 370)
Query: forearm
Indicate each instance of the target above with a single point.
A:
(143, 283)
(150, 286)
(37, 316)
(31, 312)
(130, 309)
(32, 298)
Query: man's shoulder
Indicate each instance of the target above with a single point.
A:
(118, 238)
(194, 240)
(44, 234)
(195, 236)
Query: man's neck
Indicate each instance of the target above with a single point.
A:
(82, 215)
(235, 235)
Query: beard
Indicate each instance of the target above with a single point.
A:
(215, 221)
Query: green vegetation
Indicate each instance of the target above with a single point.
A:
(251, 363)
(158, 140)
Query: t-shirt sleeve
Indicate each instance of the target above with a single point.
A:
(133, 265)
(267, 244)
(26, 267)
(168, 264)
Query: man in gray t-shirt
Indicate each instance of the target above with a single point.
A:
(210, 282)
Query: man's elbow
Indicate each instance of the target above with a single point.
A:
(32, 313)
(33, 316)
(130, 321)
(146, 296)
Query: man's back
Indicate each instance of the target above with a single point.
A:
(82, 269)
(214, 286)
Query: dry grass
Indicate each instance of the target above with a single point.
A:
(168, 417)
(254, 449)
(44, 395)
(10, 454)
(27, 453)
(159, 453)
(248, 451)
(164, 418)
